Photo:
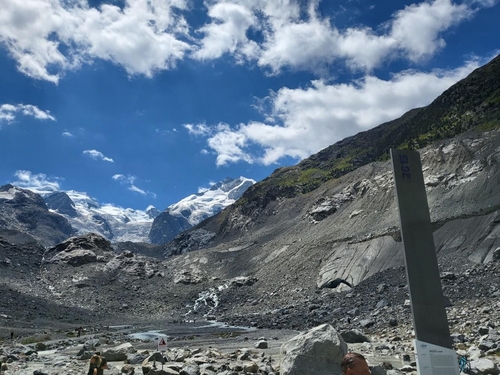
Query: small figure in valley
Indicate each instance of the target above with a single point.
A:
(95, 363)
(103, 364)
(12, 335)
(354, 364)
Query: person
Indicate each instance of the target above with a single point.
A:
(12, 335)
(354, 364)
(103, 365)
(95, 363)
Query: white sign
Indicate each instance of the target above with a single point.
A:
(435, 360)
(162, 344)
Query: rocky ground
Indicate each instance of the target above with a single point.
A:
(374, 318)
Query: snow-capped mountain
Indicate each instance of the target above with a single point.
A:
(86, 214)
(118, 224)
(197, 207)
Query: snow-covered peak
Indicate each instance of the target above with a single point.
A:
(197, 207)
(82, 199)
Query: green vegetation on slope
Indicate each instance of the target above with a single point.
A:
(473, 103)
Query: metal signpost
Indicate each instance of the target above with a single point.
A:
(433, 344)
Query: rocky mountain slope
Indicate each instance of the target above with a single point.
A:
(25, 211)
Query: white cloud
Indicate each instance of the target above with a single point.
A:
(227, 33)
(8, 112)
(197, 129)
(312, 42)
(306, 120)
(97, 155)
(46, 38)
(129, 180)
(67, 134)
(38, 183)
(417, 27)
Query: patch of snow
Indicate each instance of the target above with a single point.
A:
(6, 195)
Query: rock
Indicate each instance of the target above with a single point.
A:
(243, 281)
(354, 336)
(448, 276)
(367, 323)
(135, 358)
(40, 346)
(318, 351)
(190, 369)
(165, 371)
(381, 288)
(118, 353)
(75, 258)
(484, 366)
(262, 344)
(128, 370)
(252, 368)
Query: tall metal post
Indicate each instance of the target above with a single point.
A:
(433, 344)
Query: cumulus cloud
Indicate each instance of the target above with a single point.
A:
(46, 38)
(67, 134)
(413, 33)
(417, 27)
(306, 120)
(97, 155)
(9, 112)
(37, 182)
(227, 33)
(129, 181)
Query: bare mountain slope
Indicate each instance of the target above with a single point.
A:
(349, 227)
(25, 211)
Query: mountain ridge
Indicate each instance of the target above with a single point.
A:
(448, 115)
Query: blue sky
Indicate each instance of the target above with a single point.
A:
(140, 102)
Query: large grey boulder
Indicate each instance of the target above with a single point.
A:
(75, 258)
(318, 351)
(484, 366)
(354, 336)
(119, 353)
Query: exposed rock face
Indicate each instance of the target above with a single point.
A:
(61, 203)
(165, 227)
(27, 212)
(78, 251)
(186, 242)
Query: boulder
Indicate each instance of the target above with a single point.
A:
(484, 366)
(262, 344)
(75, 258)
(318, 351)
(354, 336)
(118, 353)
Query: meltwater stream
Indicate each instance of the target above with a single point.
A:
(187, 329)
